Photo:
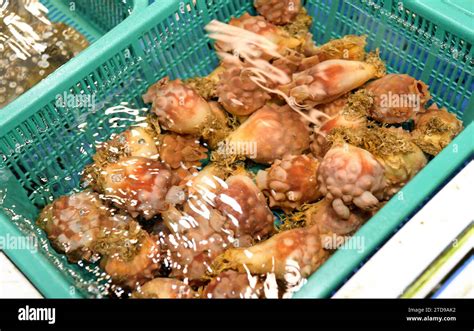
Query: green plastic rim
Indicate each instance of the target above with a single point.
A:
(146, 47)
(90, 17)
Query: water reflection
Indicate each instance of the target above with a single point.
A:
(31, 46)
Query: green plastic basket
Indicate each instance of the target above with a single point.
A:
(44, 146)
(93, 18)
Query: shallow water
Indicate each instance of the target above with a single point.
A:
(32, 46)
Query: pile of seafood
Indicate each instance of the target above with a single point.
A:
(31, 47)
(242, 183)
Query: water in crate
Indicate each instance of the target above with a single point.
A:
(31, 47)
(241, 184)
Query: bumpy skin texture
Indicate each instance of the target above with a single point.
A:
(400, 167)
(290, 182)
(278, 11)
(335, 107)
(179, 108)
(351, 175)
(235, 215)
(347, 48)
(333, 229)
(290, 255)
(319, 145)
(73, 223)
(241, 201)
(258, 25)
(350, 47)
(238, 93)
(195, 242)
(328, 80)
(137, 141)
(234, 285)
(180, 151)
(137, 185)
(398, 98)
(393, 149)
(136, 269)
(164, 288)
(289, 64)
(435, 129)
(264, 130)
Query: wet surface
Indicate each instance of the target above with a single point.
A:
(32, 47)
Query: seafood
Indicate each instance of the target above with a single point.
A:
(319, 145)
(394, 149)
(290, 255)
(194, 236)
(230, 284)
(238, 93)
(398, 98)
(367, 165)
(206, 86)
(257, 25)
(347, 48)
(194, 243)
(164, 288)
(130, 255)
(234, 213)
(135, 184)
(294, 254)
(315, 120)
(434, 129)
(333, 229)
(242, 202)
(328, 80)
(180, 151)
(299, 27)
(289, 64)
(262, 139)
(350, 47)
(74, 223)
(290, 182)
(351, 113)
(182, 110)
(136, 141)
(178, 107)
(349, 174)
(333, 108)
(402, 160)
(278, 11)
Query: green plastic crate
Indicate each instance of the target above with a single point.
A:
(93, 18)
(43, 146)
